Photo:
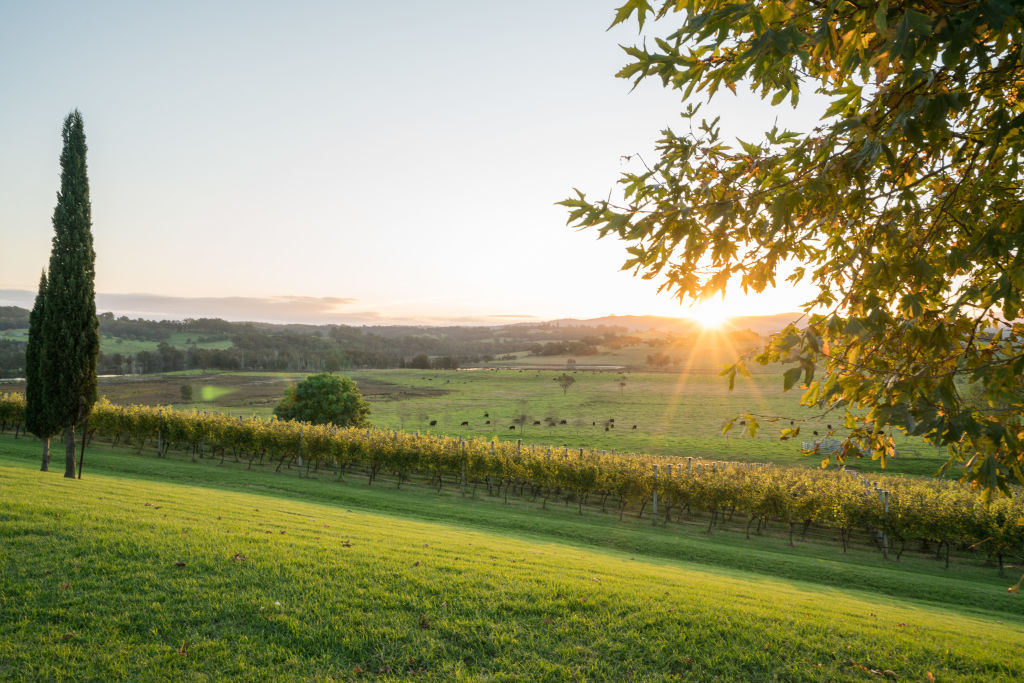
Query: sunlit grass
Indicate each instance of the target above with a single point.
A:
(121, 576)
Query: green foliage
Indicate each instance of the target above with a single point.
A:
(70, 330)
(186, 393)
(324, 399)
(39, 418)
(904, 208)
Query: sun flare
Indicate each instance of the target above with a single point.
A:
(710, 315)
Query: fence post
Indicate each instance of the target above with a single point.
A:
(519, 445)
(654, 516)
(462, 446)
(689, 466)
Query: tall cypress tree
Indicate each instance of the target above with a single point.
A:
(38, 419)
(71, 340)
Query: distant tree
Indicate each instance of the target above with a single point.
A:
(70, 330)
(38, 419)
(186, 393)
(622, 383)
(420, 361)
(324, 399)
(565, 381)
(570, 364)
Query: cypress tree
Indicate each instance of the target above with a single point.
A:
(38, 420)
(71, 340)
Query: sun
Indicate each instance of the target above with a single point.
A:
(710, 314)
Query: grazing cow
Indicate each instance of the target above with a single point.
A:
(611, 419)
(433, 423)
(830, 426)
(606, 428)
(634, 426)
(743, 423)
(536, 422)
(562, 422)
(511, 427)
(488, 422)
(593, 424)
(464, 424)
(815, 432)
(487, 414)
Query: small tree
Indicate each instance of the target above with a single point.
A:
(186, 393)
(565, 381)
(419, 362)
(324, 399)
(38, 420)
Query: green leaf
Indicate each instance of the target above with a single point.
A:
(791, 377)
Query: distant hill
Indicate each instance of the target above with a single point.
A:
(761, 324)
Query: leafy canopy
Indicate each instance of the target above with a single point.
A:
(903, 207)
(324, 399)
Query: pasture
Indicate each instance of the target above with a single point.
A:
(175, 570)
(677, 414)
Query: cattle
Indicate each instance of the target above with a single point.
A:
(487, 414)
(606, 428)
(830, 426)
(815, 432)
(562, 422)
(511, 427)
(593, 424)
(536, 422)
(634, 426)
(611, 419)
(464, 424)
(433, 423)
(488, 422)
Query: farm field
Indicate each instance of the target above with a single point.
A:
(111, 345)
(294, 578)
(675, 414)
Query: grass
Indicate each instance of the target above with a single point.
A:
(345, 581)
(675, 414)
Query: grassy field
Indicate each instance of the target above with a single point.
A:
(674, 414)
(679, 414)
(160, 569)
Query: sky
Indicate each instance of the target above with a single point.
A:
(338, 162)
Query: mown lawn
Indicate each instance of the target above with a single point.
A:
(154, 569)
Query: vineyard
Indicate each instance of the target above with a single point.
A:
(896, 512)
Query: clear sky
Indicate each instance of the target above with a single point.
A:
(335, 161)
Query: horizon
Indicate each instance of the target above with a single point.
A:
(293, 310)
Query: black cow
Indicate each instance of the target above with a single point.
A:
(433, 423)
(464, 424)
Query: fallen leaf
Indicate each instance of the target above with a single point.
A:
(416, 563)
(239, 557)
(179, 563)
(549, 620)
(67, 636)
(65, 586)
(346, 544)
(930, 676)
(357, 669)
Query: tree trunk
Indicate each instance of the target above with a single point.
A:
(69, 452)
(46, 455)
